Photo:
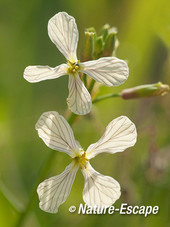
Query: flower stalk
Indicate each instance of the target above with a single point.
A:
(103, 97)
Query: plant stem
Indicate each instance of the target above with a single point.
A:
(71, 119)
(103, 97)
(85, 80)
(91, 86)
(32, 198)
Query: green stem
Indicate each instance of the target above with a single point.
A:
(103, 97)
(85, 80)
(71, 119)
(91, 86)
(42, 173)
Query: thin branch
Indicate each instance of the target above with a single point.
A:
(103, 97)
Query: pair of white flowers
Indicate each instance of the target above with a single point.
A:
(120, 134)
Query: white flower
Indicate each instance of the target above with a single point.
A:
(99, 190)
(110, 71)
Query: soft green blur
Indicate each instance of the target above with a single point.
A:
(142, 171)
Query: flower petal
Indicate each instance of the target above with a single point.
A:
(55, 190)
(119, 135)
(79, 100)
(56, 133)
(63, 32)
(110, 71)
(38, 73)
(99, 190)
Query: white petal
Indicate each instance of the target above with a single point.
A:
(119, 135)
(99, 190)
(55, 190)
(63, 32)
(57, 134)
(110, 71)
(79, 100)
(38, 73)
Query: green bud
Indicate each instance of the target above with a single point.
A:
(88, 47)
(98, 47)
(143, 91)
(113, 30)
(91, 29)
(109, 45)
(104, 31)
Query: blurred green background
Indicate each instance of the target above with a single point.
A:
(142, 171)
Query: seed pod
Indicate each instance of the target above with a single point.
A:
(148, 90)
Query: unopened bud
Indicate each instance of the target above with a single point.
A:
(88, 47)
(104, 31)
(98, 47)
(143, 91)
(109, 45)
(91, 29)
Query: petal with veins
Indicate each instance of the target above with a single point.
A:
(54, 191)
(38, 73)
(79, 99)
(119, 135)
(63, 32)
(110, 71)
(98, 189)
(57, 134)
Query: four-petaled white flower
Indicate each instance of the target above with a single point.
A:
(110, 71)
(99, 190)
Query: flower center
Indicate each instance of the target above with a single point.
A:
(73, 67)
(81, 160)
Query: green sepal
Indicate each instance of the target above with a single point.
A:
(109, 45)
(98, 47)
(88, 47)
(104, 31)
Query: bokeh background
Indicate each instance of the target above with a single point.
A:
(142, 171)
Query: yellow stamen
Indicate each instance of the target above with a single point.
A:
(73, 67)
(81, 160)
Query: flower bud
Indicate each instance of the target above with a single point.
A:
(109, 45)
(88, 47)
(104, 31)
(98, 47)
(91, 29)
(145, 91)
